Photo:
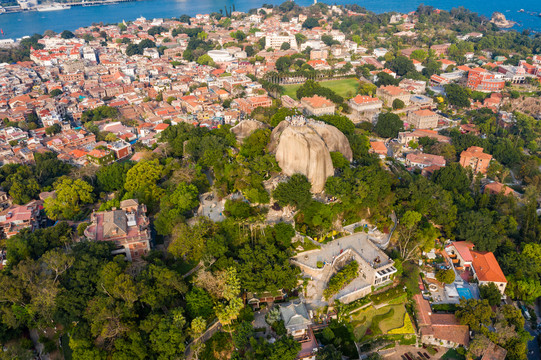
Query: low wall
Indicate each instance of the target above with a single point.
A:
(355, 295)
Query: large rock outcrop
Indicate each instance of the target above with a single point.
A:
(303, 146)
(500, 21)
(246, 127)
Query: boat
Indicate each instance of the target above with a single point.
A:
(54, 8)
(521, 10)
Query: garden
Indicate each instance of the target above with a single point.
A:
(386, 316)
(341, 336)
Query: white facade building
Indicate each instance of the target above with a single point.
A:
(275, 41)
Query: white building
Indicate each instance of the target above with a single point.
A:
(151, 53)
(275, 41)
(89, 54)
(380, 52)
(220, 56)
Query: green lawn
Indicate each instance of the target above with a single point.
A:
(345, 87)
(396, 321)
(362, 319)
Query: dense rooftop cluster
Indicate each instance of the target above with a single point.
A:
(163, 177)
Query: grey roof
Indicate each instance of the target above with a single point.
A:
(295, 316)
(115, 223)
(128, 203)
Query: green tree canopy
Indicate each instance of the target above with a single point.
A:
(295, 192)
(491, 293)
(457, 95)
(69, 196)
(310, 23)
(446, 276)
(388, 125)
(142, 179)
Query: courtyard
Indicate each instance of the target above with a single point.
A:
(319, 265)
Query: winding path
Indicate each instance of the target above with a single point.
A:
(211, 330)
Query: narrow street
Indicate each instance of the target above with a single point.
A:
(534, 352)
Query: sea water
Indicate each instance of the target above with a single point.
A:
(16, 25)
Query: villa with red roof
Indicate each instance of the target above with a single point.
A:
(423, 119)
(378, 147)
(127, 227)
(361, 104)
(439, 329)
(487, 270)
(482, 265)
(476, 159)
(390, 93)
(18, 217)
(497, 188)
(445, 63)
(317, 106)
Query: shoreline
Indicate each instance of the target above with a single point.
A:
(78, 8)
(61, 6)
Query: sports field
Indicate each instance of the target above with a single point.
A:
(345, 87)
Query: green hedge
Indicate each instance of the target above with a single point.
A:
(356, 304)
(445, 307)
(341, 279)
(387, 295)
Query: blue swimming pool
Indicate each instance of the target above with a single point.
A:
(464, 293)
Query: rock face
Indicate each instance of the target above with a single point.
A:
(243, 129)
(303, 146)
(500, 21)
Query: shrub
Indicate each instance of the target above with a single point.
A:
(237, 209)
(444, 307)
(446, 276)
(272, 316)
(328, 335)
(386, 296)
(279, 328)
(81, 228)
(398, 104)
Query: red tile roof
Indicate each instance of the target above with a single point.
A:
(379, 147)
(363, 99)
(487, 268)
(424, 112)
(394, 90)
(464, 249)
(476, 151)
(317, 101)
(440, 326)
(497, 187)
